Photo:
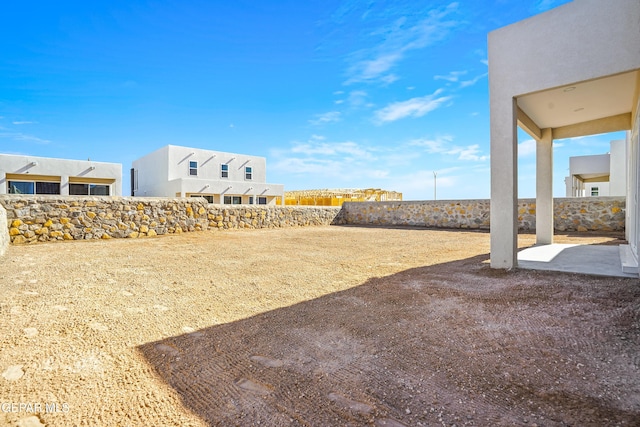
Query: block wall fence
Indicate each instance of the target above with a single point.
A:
(47, 218)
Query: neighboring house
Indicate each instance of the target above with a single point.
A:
(44, 175)
(571, 71)
(600, 174)
(219, 177)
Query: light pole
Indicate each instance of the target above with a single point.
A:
(435, 186)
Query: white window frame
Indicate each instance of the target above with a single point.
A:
(224, 173)
(248, 173)
(192, 168)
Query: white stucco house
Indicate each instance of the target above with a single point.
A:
(219, 177)
(600, 174)
(568, 72)
(21, 174)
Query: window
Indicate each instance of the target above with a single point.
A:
(17, 187)
(262, 200)
(76, 189)
(193, 168)
(232, 200)
(33, 187)
(248, 173)
(224, 171)
(250, 200)
(208, 198)
(595, 191)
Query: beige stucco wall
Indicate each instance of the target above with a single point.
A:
(576, 42)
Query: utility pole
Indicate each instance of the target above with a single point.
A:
(435, 185)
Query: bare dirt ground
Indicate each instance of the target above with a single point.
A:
(326, 326)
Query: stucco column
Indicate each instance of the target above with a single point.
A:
(504, 183)
(544, 188)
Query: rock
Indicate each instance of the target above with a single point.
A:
(13, 373)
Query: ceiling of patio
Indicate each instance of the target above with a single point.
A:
(581, 102)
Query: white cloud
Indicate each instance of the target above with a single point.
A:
(331, 116)
(414, 107)
(470, 152)
(349, 148)
(437, 145)
(527, 148)
(374, 65)
(18, 136)
(442, 145)
(473, 81)
(23, 122)
(453, 76)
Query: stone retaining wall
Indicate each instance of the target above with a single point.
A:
(46, 218)
(570, 214)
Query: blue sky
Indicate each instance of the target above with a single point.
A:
(335, 94)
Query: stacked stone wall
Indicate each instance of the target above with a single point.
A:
(570, 214)
(31, 219)
(47, 218)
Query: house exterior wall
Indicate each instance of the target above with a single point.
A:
(633, 179)
(612, 165)
(618, 168)
(167, 173)
(578, 41)
(64, 171)
(596, 164)
(150, 175)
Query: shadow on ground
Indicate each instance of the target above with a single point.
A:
(456, 343)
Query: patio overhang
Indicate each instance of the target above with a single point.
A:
(582, 108)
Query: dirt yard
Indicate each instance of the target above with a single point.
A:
(326, 326)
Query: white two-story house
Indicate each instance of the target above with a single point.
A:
(219, 177)
(599, 174)
(20, 174)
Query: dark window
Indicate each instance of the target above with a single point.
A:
(248, 174)
(250, 200)
(47, 187)
(232, 200)
(19, 187)
(262, 200)
(98, 190)
(79, 189)
(193, 168)
(30, 187)
(224, 171)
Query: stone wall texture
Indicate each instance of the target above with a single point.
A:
(4, 232)
(570, 214)
(47, 218)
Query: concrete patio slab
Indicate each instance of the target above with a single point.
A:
(598, 260)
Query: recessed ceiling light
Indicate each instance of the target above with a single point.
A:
(569, 89)
(578, 109)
